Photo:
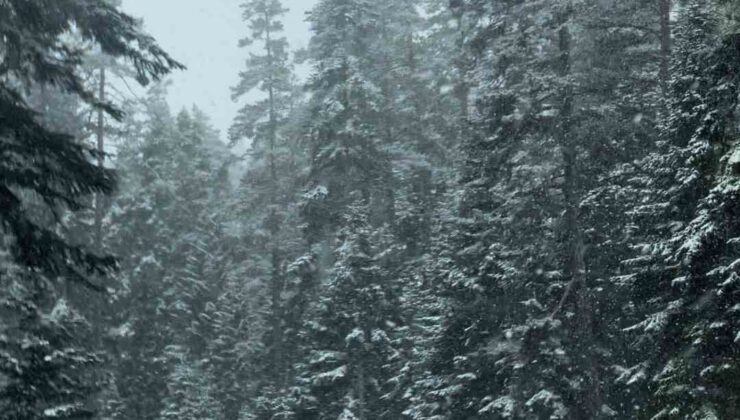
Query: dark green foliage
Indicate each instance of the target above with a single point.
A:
(483, 209)
(46, 166)
(683, 275)
(46, 371)
(175, 254)
(350, 331)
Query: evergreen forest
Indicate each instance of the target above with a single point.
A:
(434, 210)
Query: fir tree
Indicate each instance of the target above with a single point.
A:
(344, 132)
(349, 334)
(267, 194)
(681, 277)
(44, 173)
(190, 390)
(47, 371)
(168, 227)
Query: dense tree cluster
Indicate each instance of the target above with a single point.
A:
(471, 209)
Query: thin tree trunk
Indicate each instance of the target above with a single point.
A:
(574, 242)
(99, 206)
(665, 44)
(360, 391)
(583, 337)
(277, 283)
(462, 89)
(98, 307)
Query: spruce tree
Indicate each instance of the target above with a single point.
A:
(349, 334)
(169, 229)
(268, 192)
(346, 100)
(681, 271)
(190, 389)
(47, 371)
(522, 339)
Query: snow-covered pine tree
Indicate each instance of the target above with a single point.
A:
(682, 272)
(266, 202)
(189, 389)
(168, 227)
(522, 339)
(193, 168)
(346, 101)
(48, 373)
(64, 173)
(425, 306)
(625, 45)
(239, 326)
(44, 172)
(349, 332)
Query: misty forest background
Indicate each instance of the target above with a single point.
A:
(471, 209)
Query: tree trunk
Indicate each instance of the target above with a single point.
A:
(99, 205)
(664, 8)
(279, 362)
(582, 332)
(360, 392)
(462, 89)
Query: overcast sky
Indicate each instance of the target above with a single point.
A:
(203, 35)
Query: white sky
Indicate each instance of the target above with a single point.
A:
(203, 35)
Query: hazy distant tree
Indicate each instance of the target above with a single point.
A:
(266, 201)
(167, 226)
(190, 390)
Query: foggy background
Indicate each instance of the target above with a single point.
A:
(203, 34)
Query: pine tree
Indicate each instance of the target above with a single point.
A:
(349, 334)
(44, 173)
(235, 353)
(190, 389)
(345, 132)
(168, 227)
(48, 163)
(47, 372)
(522, 339)
(266, 201)
(628, 80)
(681, 273)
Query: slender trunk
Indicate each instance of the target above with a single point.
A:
(582, 335)
(462, 89)
(98, 306)
(389, 183)
(278, 356)
(664, 8)
(99, 206)
(574, 262)
(423, 184)
(360, 391)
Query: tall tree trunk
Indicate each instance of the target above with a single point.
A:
(99, 205)
(574, 263)
(97, 306)
(583, 334)
(360, 391)
(462, 88)
(664, 8)
(277, 282)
